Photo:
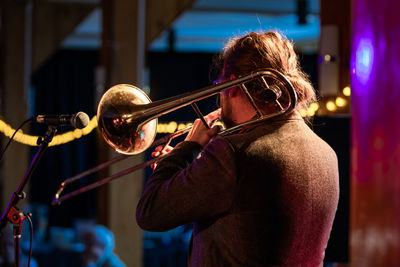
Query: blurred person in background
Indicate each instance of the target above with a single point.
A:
(98, 248)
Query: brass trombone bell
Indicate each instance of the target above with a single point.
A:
(119, 119)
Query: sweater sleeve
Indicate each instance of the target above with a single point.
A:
(186, 187)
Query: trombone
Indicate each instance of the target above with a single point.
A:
(127, 119)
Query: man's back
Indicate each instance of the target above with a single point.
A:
(284, 202)
(264, 197)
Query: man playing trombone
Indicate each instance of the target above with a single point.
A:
(264, 196)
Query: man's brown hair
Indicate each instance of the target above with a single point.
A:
(253, 51)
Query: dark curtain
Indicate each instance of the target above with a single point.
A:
(336, 132)
(65, 85)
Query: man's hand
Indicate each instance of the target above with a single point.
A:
(159, 151)
(199, 133)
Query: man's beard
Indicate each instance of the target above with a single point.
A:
(226, 116)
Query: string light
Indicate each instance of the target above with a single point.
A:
(31, 140)
(347, 91)
(172, 127)
(169, 127)
(310, 112)
(331, 106)
(183, 126)
(313, 107)
(340, 101)
(303, 112)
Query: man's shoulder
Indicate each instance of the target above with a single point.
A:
(248, 135)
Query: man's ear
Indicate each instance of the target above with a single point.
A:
(234, 91)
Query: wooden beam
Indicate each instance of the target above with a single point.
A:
(52, 23)
(329, 16)
(161, 14)
(120, 58)
(14, 107)
(124, 40)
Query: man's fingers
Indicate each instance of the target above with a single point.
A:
(158, 149)
(209, 118)
(216, 114)
(153, 166)
(215, 129)
(168, 149)
(161, 150)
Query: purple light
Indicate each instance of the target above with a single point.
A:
(364, 60)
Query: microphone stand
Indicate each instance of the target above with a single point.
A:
(12, 213)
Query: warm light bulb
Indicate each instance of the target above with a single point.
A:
(314, 106)
(347, 91)
(340, 101)
(310, 112)
(172, 126)
(303, 112)
(330, 105)
(327, 58)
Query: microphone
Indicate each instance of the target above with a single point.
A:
(78, 120)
